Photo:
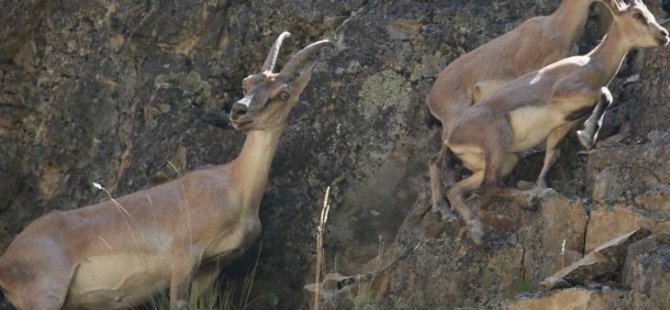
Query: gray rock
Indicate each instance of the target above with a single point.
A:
(647, 272)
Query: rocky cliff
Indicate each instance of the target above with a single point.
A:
(117, 92)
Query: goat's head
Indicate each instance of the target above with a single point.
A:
(640, 26)
(269, 96)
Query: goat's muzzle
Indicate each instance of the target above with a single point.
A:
(238, 110)
(239, 114)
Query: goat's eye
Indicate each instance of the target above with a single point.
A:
(284, 95)
(640, 17)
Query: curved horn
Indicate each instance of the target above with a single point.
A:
(269, 63)
(301, 57)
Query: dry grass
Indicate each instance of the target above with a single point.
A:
(320, 260)
(364, 297)
(213, 299)
(230, 296)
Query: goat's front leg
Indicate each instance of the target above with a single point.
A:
(183, 268)
(552, 153)
(589, 135)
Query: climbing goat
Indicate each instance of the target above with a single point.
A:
(473, 76)
(119, 253)
(543, 106)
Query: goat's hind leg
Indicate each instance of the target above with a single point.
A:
(494, 191)
(456, 194)
(45, 294)
(436, 167)
(497, 161)
(483, 153)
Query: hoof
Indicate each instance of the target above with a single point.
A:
(442, 208)
(585, 139)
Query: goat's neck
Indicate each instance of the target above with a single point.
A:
(251, 168)
(609, 54)
(569, 20)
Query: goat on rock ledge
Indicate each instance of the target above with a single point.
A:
(543, 106)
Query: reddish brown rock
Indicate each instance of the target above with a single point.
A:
(606, 224)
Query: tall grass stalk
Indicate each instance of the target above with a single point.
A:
(320, 260)
(364, 298)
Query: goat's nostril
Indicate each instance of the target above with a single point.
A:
(239, 109)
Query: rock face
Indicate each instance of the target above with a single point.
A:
(647, 272)
(575, 299)
(119, 92)
(602, 264)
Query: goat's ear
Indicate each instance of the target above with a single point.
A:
(299, 83)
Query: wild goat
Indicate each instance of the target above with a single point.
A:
(543, 106)
(473, 76)
(119, 253)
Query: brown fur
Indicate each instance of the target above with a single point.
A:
(473, 76)
(538, 107)
(119, 253)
